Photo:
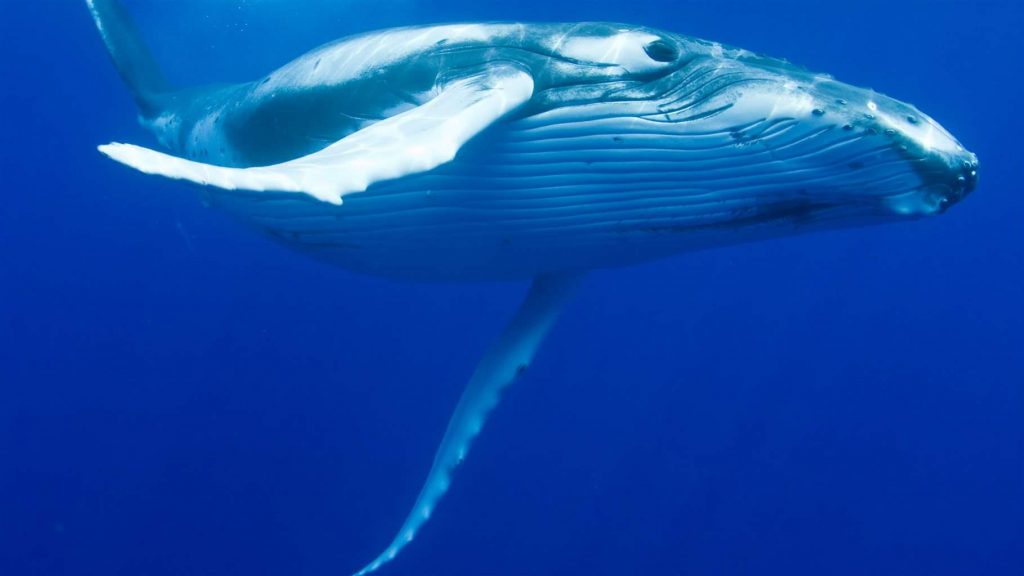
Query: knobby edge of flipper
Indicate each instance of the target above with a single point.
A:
(412, 142)
(131, 55)
(503, 362)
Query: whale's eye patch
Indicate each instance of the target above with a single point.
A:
(661, 51)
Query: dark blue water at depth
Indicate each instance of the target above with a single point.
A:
(180, 396)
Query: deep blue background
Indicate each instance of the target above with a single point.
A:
(181, 396)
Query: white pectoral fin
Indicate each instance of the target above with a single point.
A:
(506, 359)
(415, 141)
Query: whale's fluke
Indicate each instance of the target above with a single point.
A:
(412, 142)
(506, 359)
(131, 55)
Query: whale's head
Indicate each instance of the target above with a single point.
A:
(760, 140)
(850, 143)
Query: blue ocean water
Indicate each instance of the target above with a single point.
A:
(181, 396)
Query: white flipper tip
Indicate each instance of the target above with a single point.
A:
(142, 159)
(153, 162)
(255, 180)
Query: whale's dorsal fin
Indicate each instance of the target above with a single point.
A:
(411, 142)
(504, 361)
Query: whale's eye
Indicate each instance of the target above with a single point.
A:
(661, 51)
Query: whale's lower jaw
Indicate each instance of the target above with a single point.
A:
(584, 189)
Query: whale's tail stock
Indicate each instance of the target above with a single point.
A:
(131, 55)
(505, 361)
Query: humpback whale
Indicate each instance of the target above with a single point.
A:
(508, 151)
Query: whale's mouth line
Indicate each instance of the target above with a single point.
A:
(791, 214)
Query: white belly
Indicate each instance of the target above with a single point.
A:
(571, 191)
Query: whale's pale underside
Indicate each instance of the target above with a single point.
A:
(531, 151)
